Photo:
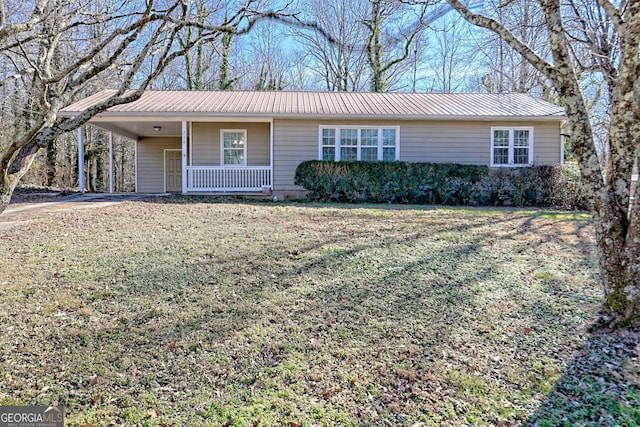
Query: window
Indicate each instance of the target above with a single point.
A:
(389, 144)
(369, 144)
(349, 144)
(511, 146)
(500, 147)
(359, 143)
(328, 144)
(234, 147)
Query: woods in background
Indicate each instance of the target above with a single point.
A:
(377, 45)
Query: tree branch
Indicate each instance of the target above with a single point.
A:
(613, 13)
(10, 30)
(505, 34)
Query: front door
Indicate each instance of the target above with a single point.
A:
(173, 171)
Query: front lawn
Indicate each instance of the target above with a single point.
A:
(180, 312)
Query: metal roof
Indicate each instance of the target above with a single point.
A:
(328, 105)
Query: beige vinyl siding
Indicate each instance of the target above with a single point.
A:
(466, 142)
(150, 162)
(441, 142)
(469, 142)
(294, 141)
(547, 148)
(206, 143)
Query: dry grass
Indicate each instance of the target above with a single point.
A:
(184, 312)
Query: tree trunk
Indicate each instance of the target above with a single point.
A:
(616, 211)
(375, 49)
(615, 236)
(11, 176)
(226, 83)
(52, 154)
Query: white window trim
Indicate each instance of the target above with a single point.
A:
(222, 132)
(511, 130)
(337, 145)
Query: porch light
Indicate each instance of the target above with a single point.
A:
(157, 128)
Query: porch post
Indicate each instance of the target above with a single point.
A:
(185, 129)
(271, 149)
(81, 136)
(110, 162)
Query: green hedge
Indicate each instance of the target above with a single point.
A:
(438, 183)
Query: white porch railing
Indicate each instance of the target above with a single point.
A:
(217, 179)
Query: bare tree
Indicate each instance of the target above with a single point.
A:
(195, 67)
(269, 46)
(449, 57)
(226, 81)
(339, 65)
(392, 26)
(53, 53)
(612, 186)
(52, 50)
(508, 70)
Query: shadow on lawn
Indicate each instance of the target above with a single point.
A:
(169, 320)
(601, 387)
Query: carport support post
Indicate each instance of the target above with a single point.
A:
(110, 162)
(185, 131)
(81, 136)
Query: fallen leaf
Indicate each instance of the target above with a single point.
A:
(97, 397)
(152, 413)
(394, 407)
(616, 375)
(330, 392)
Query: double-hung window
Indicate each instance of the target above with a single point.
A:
(511, 146)
(233, 150)
(369, 143)
(349, 144)
(366, 143)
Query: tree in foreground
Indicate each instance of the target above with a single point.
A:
(55, 51)
(601, 37)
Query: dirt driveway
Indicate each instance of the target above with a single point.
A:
(24, 210)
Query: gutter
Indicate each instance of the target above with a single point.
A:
(126, 116)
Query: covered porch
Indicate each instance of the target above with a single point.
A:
(195, 157)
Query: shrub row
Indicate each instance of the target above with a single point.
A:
(439, 183)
